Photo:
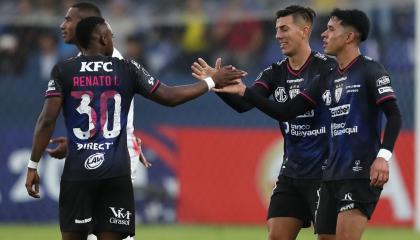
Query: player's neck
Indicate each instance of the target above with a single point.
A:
(346, 56)
(92, 52)
(296, 61)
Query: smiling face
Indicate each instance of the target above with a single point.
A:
(335, 37)
(290, 35)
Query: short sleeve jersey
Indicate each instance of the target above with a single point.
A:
(353, 96)
(306, 136)
(97, 92)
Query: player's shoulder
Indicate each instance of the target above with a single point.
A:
(371, 65)
(324, 59)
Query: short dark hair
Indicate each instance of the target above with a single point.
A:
(354, 18)
(305, 13)
(88, 7)
(85, 28)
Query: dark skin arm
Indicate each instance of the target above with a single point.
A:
(176, 95)
(43, 131)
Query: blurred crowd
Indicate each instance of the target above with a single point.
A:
(166, 36)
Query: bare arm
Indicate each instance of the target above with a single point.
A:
(176, 95)
(43, 132)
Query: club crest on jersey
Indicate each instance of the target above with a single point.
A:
(280, 94)
(294, 92)
(338, 92)
(326, 97)
(94, 161)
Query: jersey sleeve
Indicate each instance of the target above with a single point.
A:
(265, 80)
(54, 88)
(144, 83)
(380, 84)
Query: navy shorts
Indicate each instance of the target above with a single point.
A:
(105, 205)
(296, 198)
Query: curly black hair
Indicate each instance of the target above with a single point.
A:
(85, 28)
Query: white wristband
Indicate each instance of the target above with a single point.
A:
(210, 82)
(385, 154)
(32, 164)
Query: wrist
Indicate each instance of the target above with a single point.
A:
(385, 154)
(33, 165)
(210, 83)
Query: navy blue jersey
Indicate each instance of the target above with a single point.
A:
(306, 136)
(97, 93)
(352, 96)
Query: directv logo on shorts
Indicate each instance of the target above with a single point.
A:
(94, 161)
(121, 216)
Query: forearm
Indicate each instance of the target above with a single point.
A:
(393, 124)
(279, 111)
(236, 102)
(173, 96)
(43, 131)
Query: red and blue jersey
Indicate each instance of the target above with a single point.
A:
(97, 92)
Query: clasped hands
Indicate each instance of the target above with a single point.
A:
(228, 79)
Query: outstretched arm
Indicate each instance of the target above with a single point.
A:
(202, 70)
(279, 111)
(43, 131)
(173, 96)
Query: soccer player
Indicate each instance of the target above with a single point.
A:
(75, 13)
(356, 93)
(95, 92)
(294, 198)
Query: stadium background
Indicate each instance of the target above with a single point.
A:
(211, 165)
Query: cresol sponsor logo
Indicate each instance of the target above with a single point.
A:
(94, 161)
(340, 110)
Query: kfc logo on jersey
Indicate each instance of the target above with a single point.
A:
(382, 81)
(326, 97)
(96, 66)
(280, 94)
(94, 161)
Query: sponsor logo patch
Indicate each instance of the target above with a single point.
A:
(121, 216)
(382, 81)
(280, 94)
(94, 161)
(340, 110)
(385, 90)
(326, 97)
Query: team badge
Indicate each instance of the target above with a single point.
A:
(293, 92)
(338, 92)
(326, 97)
(280, 94)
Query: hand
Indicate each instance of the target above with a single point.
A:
(32, 183)
(379, 172)
(60, 151)
(202, 70)
(238, 88)
(227, 75)
(142, 158)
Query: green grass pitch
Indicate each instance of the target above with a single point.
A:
(194, 232)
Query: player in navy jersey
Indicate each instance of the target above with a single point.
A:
(294, 198)
(95, 92)
(74, 14)
(356, 93)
